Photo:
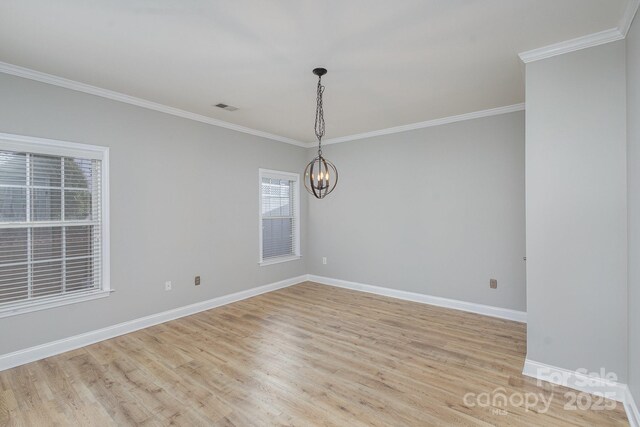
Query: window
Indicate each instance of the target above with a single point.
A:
(53, 223)
(279, 216)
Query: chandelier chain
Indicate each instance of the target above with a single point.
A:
(319, 125)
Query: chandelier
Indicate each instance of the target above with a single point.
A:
(320, 175)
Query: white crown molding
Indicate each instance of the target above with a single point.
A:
(32, 354)
(627, 18)
(584, 383)
(590, 40)
(428, 123)
(27, 73)
(486, 310)
(567, 46)
(572, 45)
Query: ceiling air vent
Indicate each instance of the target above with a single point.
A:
(226, 107)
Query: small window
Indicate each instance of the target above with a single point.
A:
(53, 229)
(279, 216)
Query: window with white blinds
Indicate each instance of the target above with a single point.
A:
(51, 223)
(279, 216)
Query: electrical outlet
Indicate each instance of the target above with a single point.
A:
(493, 283)
(197, 280)
(167, 286)
(324, 260)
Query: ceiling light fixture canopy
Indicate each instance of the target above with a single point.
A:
(320, 175)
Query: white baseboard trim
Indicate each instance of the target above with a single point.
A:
(576, 380)
(487, 310)
(38, 352)
(583, 382)
(632, 409)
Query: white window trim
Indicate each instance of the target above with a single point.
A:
(279, 260)
(269, 173)
(10, 142)
(21, 308)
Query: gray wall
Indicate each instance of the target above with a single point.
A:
(633, 191)
(576, 210)
(437, 211)
(184, 202)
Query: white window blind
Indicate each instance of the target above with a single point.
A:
(279, 216)
(51, 226)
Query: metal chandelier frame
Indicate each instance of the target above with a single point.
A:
(320, 175)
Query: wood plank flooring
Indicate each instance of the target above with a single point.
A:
(305, 355)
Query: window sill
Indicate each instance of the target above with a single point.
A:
(279, 260)
(50, 303)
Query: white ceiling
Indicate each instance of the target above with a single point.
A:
(390, 63)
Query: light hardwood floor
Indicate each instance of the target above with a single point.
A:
(305, 355)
